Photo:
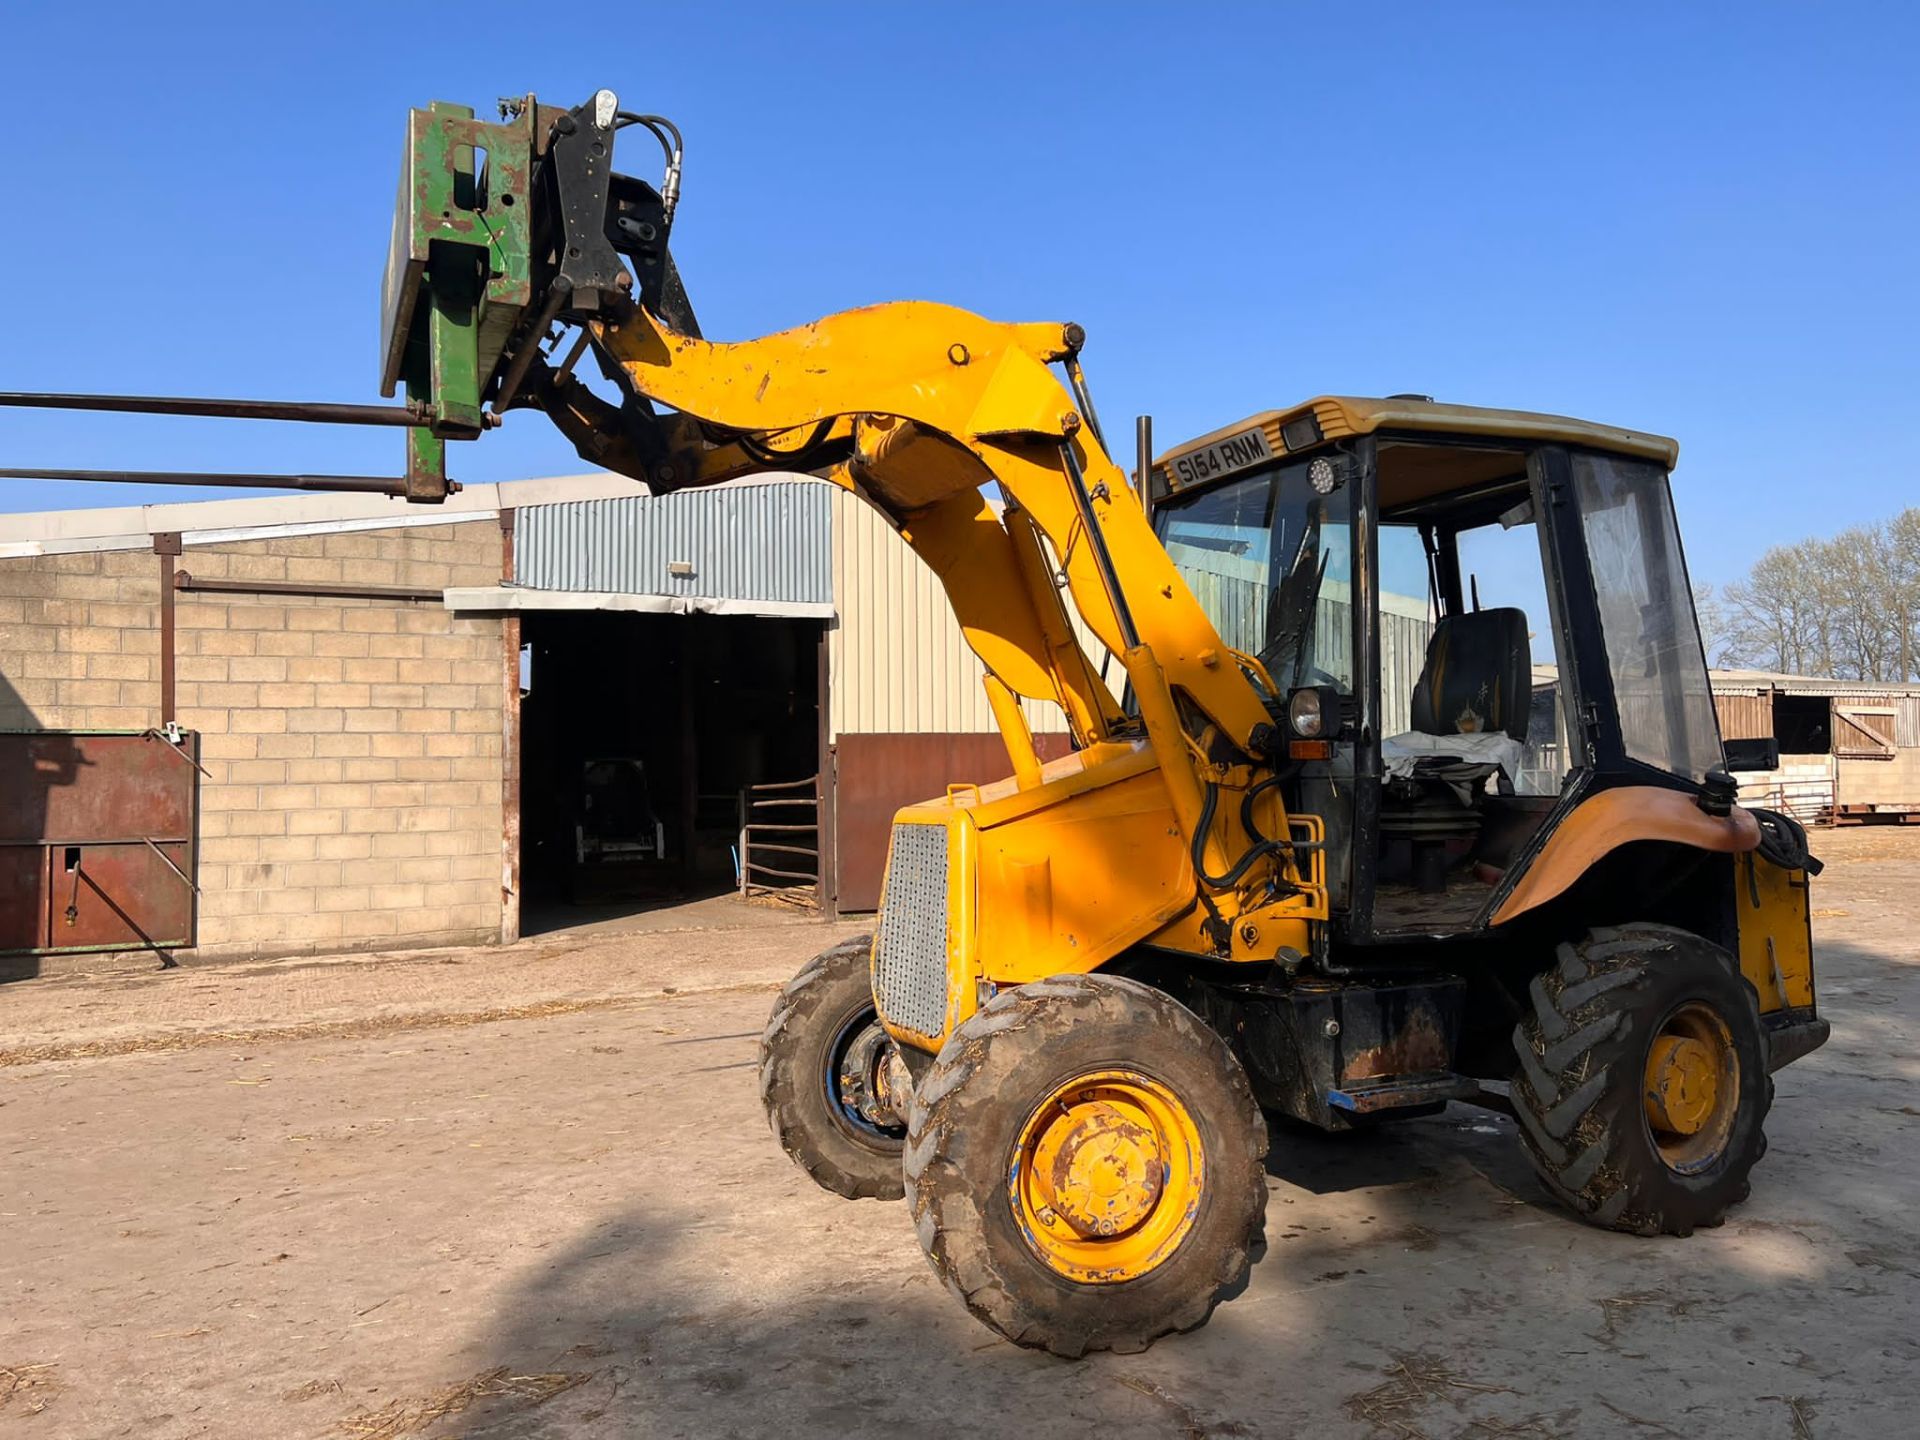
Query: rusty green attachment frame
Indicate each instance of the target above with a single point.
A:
(458, 275)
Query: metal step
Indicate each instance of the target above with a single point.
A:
(1397, 1092)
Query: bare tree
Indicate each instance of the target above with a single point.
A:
(1847, 606)
(1771, 621)
(1715, 636)
(1851, 585)
(1903, 593)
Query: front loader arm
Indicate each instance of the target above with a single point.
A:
(941, 402)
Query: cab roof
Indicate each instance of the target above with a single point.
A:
(1336, 417)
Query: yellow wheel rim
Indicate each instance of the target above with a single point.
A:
(1692, 1087)
(1106, 1179)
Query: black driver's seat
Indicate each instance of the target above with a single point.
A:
(1477, 682)
(1478, 676)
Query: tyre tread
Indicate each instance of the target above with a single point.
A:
(822, 982)
(948, 1217)
(1584, 1023)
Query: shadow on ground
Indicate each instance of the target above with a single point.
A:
(1416, 1285)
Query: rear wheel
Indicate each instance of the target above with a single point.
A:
(1643, 1082)
(1085, 1165)
(824, 1077)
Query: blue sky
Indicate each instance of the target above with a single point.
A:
(1695, 219)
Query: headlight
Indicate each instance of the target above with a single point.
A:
(1306, 714)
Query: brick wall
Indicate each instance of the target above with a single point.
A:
(353, 746)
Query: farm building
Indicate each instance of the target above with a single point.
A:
(543, 701)
(289, 724)
(1849, 749)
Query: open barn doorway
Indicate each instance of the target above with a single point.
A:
(638, 734)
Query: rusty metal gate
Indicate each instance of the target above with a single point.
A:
(875, 774)
(780, 840)
(97, 839)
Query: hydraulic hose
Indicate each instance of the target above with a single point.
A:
(1783, 842)
(1261, 848)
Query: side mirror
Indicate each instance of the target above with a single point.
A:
(1746, 756)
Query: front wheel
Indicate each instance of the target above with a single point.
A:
(825, 1076)
(1085, 1165)
(1643, 1081)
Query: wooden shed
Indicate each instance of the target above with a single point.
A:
(1849, 749)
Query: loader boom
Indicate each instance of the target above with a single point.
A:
(916, 408)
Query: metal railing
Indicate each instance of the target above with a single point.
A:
(1811, 801)
(782, 821)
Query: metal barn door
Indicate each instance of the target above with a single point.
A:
(876, 774)
(96, 840)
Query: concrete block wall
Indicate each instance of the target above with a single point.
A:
(353, 747)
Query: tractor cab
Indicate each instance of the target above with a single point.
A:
(1486, 615)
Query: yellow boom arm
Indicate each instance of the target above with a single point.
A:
(938, 402)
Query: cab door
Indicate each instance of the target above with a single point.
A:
(1646, 713)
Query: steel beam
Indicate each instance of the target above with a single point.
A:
(312, 412)
(343, 484)
(183, 580)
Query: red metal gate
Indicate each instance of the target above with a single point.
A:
(875, 774)
(97, 840)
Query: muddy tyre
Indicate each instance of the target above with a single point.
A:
(822, 1063)
(1642, 1086)
(1085, 1165)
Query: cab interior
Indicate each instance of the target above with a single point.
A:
(1473, 754)
(1417, 577)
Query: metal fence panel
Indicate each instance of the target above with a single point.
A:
(97, 840)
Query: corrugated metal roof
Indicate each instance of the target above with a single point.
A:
(769, 542)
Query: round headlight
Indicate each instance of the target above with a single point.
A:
(1304, 714)
(1321, 476)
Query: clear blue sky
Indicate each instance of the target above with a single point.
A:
(1693, 219)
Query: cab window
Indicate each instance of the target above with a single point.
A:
(1647, 622)
(1270, 559)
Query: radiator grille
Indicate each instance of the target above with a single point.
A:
(910, 970)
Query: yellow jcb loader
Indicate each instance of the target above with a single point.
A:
(1348, 840)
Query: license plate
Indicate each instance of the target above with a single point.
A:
(1223, 457)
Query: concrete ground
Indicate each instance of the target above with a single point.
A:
(529, 1192)
(722, 911)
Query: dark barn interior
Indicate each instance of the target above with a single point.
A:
(1803, 723)
(638, 734)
